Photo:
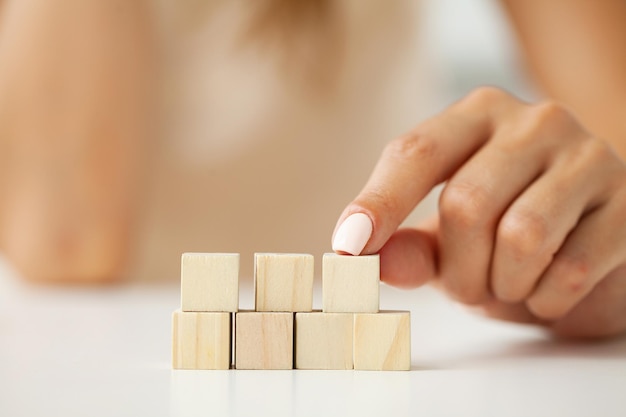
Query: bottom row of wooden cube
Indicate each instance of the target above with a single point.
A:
(315, 340)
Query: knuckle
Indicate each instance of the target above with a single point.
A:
(550, 112)
(412, 147)
(383, 200)
(571, 275)
(568, 282)
(485, 96)
(462, 205)
(538, 125)
(544, 121)
(595, 152)
(523, 234)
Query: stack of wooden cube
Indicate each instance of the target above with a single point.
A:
(283, 331)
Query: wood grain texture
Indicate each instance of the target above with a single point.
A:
(263, 340)
(201, 340)
(324, 340)
(382, 342)
(283, 282)
(350, 284)
(210, 282)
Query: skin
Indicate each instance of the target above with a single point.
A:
(531, 221)
(75, 82)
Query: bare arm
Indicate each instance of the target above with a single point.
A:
(74, 94)
(530, 225)
(577, 52)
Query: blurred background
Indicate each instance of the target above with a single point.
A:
(269, 118)
(398, 64)
(472, 44)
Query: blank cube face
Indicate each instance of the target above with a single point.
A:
(210, 282)
(382, 342)
(350, 284)
(283, 282)
(263, 340)
(201, 340)
(324, 340)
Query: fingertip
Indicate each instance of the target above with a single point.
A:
(408, 259)
(352, 234)
(361, 230)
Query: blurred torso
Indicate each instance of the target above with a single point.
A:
(260, 149)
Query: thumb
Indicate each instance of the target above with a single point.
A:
(409, 258)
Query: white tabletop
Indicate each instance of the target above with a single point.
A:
(106, 352)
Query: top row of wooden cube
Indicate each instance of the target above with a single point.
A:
(282, 282)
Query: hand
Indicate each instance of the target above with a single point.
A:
(531, 225)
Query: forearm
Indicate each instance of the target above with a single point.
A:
(576, 51)
(74, 94)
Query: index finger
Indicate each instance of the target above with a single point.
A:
(411, 166)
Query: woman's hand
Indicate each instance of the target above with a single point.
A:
(531, 224)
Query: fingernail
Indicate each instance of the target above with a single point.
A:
(353, 234)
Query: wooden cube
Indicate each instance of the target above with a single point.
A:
(382, 342)
(210, 282)
(263, 340)
(283, 282)
(201, 340)
(324, 340)
(350, 284)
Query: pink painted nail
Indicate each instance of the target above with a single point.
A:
(353, 234)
